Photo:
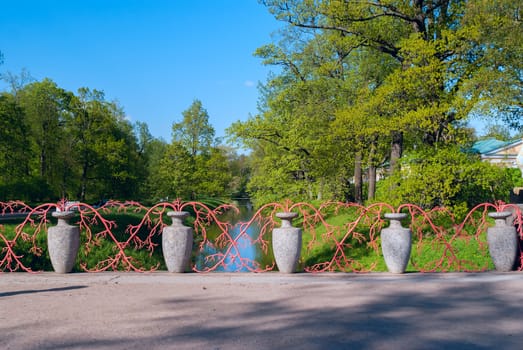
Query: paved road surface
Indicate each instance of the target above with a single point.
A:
(261, 311)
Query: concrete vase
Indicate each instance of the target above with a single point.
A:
(63, 242)
(286, 243)
(396, 243)
(502, 242)
(177, 241)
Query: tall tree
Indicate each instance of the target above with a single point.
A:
(192, 167)
(194, 132)
(426, 56)
(17, 81)
(440, 45)
(14, 149)
(175, 173)
(297, 108)
(46, 109)
(498, 82)
(155, 187)
(105, 146)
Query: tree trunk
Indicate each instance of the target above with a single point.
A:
(310, 190)
(358, 181)
(83, 188)
(371, 174)
(319, 196)
(43, 163)
(63, 185)
(395, 151)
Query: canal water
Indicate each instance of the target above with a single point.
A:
(241, 255)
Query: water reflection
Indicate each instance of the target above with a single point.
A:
(240, 255)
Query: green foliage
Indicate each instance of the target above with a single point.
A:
(515, 176)
(191, 167)
(13, 140)
(105, 148)
(213, 174)
(445, 177)
(498, 132)
(194, 132)
(34, 189)
(240, 172)
(45, 107)
(56, 144)
(174, 172)
(360, 83)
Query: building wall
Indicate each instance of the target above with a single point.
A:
(505, 157)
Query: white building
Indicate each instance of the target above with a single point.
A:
(505, 153)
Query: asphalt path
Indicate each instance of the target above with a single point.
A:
(261, 311)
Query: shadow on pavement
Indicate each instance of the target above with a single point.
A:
(353, 316)
(32, 291)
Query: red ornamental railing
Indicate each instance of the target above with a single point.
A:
(440, 241)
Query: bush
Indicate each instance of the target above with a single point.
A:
(28, 190)
(445, 177)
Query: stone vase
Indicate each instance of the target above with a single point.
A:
(63, 242)
(286, 243)
(396, 243)
(502, 242)
(177, 241)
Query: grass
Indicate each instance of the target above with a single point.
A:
(431, 253)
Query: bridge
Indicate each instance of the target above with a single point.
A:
(159, 310)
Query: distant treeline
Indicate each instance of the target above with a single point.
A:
(58, 144)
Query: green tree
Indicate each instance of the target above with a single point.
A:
(13, 139)
(497, 131)
(426, 57)
(443, 49)
(446, 176)
(192, 167)
(194, 132)
(105, 148)
(156, 181)
(54, 144)
(298, 107)
(240, 167)
(15, 152)
(496, 43)
(45, 107)
(151, 150)
(175, 173)
(213, 174)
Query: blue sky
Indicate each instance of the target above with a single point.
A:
(153, 56)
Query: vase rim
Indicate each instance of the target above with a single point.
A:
(178, 214)
(62, 214)
(286, 215)
(500, 214)
(395, 216)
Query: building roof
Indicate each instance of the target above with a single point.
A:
(491, 145)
